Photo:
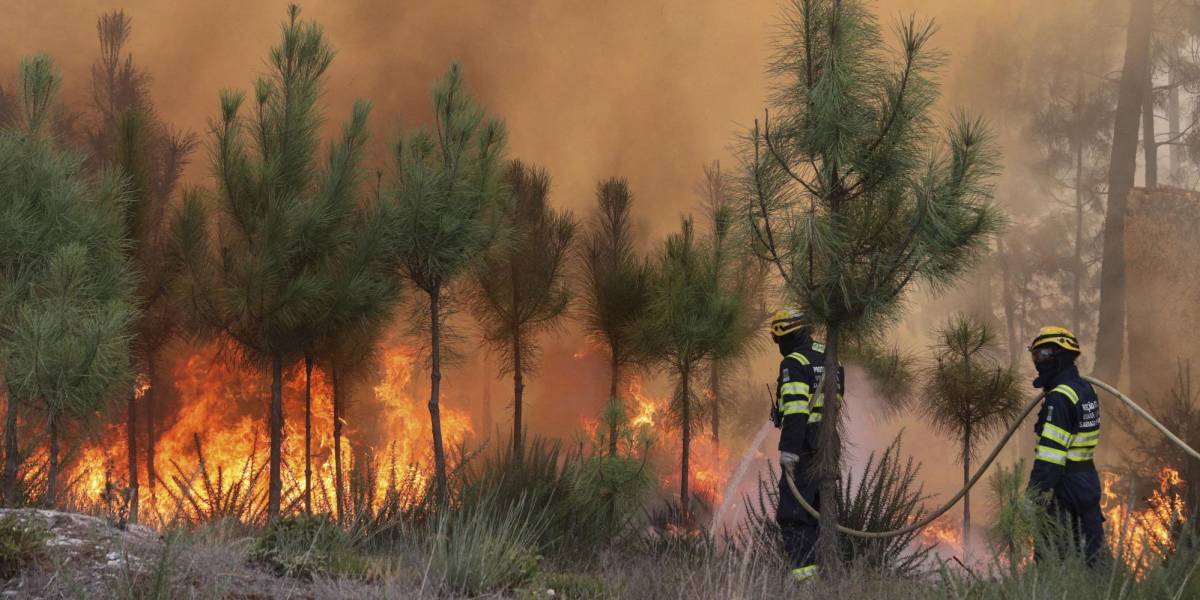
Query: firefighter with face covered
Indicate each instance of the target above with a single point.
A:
(1068, 431)
(797, 413)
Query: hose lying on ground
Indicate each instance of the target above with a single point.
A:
(987, 463)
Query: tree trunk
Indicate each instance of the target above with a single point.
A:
(131, 434)
(1110, 340)
(1078, 267)
(149, 400)
(1010, 309)
(275, 424)
(12, 454)
(966, 527)
(1149, 141)
(518, 394)
(488, 421)
(435, 383)
(1174, 152)
(52, 471)
(829, 459)
(686, 405)
(337, 442)
(615, 377)
(714, 382)
(308, 365)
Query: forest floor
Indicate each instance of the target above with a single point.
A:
(52, 554)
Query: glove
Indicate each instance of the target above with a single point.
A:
(789, 461)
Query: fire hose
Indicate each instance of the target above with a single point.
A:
(987, 463)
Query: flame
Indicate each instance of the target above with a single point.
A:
(707, 474)
(944, 532)
(221, 418)
(1139, 536)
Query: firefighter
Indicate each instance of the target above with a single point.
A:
(797, 413)
(1068, 431)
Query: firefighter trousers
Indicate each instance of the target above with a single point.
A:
(799, 528)
(1076, 505)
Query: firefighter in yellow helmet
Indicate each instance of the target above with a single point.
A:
(797, 413)
(1068, 431)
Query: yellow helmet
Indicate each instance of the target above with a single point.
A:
(786, 321)
(1059, 336)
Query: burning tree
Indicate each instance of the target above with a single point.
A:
(128, 135)
(442, 200)
(615, 288)
(282, 221)
(66, 297)
(690, 318)
(968, 393)
(520, 286)
(851, 194)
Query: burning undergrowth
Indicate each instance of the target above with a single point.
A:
(210, 449)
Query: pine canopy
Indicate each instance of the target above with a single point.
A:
(66, 296)
(852, 190)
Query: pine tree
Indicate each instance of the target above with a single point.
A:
(851, 193)
(520, 282)
(968, 393)
(442, 203)
(1072, 127)
(281, 220)
(690, 319)
(66, 300)
(614, 288)
(739, 275)
(128, 135)
(364, 292)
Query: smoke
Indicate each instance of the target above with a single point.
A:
(650, 91)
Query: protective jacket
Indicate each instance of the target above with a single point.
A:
(799, 401)
(1067, 429)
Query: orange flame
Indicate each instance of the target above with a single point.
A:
(706, 459)
(222, 413)
(1143, 535)
(944, 532)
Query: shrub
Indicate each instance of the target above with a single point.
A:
(22, 542)
(307, 546)
(485, 547)
(582, 501)
(885, 497)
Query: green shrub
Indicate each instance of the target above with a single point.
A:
(484, 547)
(307, 546)
(22, 542)
(886, 496)
(582, 501)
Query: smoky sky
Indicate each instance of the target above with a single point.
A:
(641, 89)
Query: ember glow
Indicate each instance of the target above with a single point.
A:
(211, 458)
